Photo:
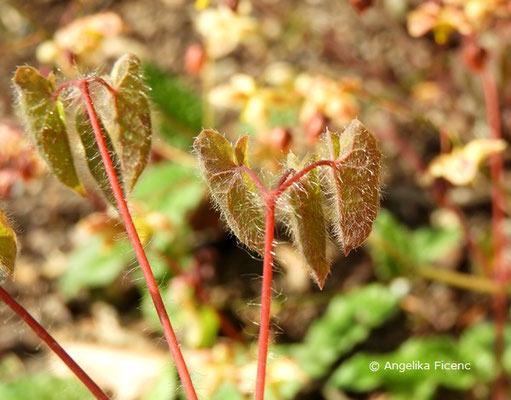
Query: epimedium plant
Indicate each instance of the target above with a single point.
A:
(95, 135)
(335, 189)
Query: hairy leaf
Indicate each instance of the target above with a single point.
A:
(309, 225)
(46, 124)
(93, 156)
(233, 191)
(8, 248)
(133, 117)
(245, 213)
(354, 185)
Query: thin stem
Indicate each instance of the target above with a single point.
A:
(296, 177)
(262, 189)
(52, 344)
(264, 327)
(501, 275)
(137, 245)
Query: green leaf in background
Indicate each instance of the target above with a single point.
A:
(169, 188)
(228, 391)
(396, 250)
(46, 124)
(354, 185)
(165, 387)
(8, 248)
(196, 324)
(93, 156)
(179, 105)
(43, 386)
(94, 265)
(347, 322)
(475, 347)
(418, 384)
(133, 117)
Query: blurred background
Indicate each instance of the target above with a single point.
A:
(428, 284)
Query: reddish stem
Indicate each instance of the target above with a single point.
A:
(52, 344)
(137, 245)
(501, 275)
(264, 327)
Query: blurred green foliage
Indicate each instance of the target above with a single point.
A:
(179, 105)
(348, 321)
(43, 386)
(475, 346)
(397, 250)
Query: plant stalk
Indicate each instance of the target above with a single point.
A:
(137, 245)
(264, 327)
(52, 344)
(501, 273)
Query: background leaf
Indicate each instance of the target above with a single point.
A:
(8, 248)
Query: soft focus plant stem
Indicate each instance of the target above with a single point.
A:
(137, 245)
(52, 344)
(501, 273)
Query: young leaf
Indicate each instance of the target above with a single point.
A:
(245, 213)
(133, 117)
(8, 248)
(309, 225)
(354, 185)
(233, 191)
(241, 151)
(93, 156)
(46, 124)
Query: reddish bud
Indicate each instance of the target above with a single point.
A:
(194, 59)
(474, 55)
(314, 127)
(361, 5)
(279, 139)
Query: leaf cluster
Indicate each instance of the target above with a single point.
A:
(334, 190)
(63, 131)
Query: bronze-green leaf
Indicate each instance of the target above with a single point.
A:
(354, 185)
(93, 156)
(8, 248)
(245, 214)
(46, 124)
(308, 224)
(233, 190)
(132, 117)
(241, 151)
(216, 159)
